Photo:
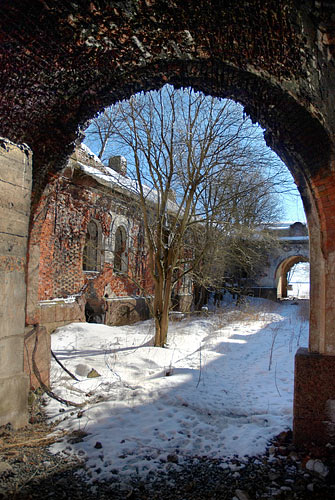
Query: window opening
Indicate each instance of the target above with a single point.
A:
(120, 254)
(90, 256)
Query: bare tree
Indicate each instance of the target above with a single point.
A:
(237, 247)
(186, 152)
(102, 129)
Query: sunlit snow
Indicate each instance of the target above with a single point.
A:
(299, 281)
(215, 391)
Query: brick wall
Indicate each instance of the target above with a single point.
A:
(57, 239)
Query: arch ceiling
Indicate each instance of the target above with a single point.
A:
(62, 62)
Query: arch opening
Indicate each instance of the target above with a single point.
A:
(120, 251)
(282, 278)
(92, 247)
(65, 73)
(298, 281)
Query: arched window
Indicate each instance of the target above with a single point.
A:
(91, 256)
(120, 254)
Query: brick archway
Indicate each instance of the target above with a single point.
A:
(63, 62)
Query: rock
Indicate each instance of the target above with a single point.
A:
(294, 456)
(82, 370)
(93, 374)
(173, 458)
(317, 467)
(98, 445)
(62, 482)
(242, 495)
(285, 488)
(273, 476)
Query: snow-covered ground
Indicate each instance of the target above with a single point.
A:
(299, 280)
(223, 386)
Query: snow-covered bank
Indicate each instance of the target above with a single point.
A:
(211, 392)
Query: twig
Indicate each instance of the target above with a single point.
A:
(276, 381)
(299, 334)
(199, 368)
(62, 366)
(42, 384)
(274, 335)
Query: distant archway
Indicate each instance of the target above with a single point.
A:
(298, 281)
(281, 273)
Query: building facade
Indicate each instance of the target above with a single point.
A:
(87, 259)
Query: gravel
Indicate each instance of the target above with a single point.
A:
(29, 471)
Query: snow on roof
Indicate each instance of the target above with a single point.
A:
(114, 180)
(90, 153)
(294, 238)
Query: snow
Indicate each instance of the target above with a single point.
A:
(294, 238)
(70, 299)
(90, 153)
(113, 179)
(214, 391)
(299, 280)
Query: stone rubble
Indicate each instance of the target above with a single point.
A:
(282, 473)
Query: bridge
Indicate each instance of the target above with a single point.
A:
(292, 248)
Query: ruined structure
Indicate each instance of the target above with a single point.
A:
(62, 62)
(86, 257)
(292, 248)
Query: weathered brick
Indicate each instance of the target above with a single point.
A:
(58, 238)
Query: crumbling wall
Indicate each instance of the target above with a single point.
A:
(60, 291)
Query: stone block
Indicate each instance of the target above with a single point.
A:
(14, 399)
(12, 248)
(11, 355)
(60, 313)
(126, 311)
(69, 312)
(314, 399)
(48, 314)
(12, 302)
(32, 283)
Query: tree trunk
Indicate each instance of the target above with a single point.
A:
(161, 311)
(200, 297)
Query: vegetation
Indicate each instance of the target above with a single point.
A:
(204, 180)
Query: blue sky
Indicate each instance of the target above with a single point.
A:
(293, 208)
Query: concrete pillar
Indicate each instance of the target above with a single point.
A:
(15, 196)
